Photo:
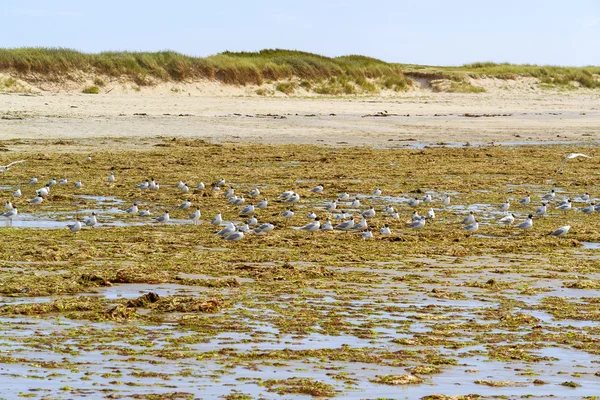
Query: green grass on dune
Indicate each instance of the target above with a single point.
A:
(348, 74)
(588, 77)
(228, 67)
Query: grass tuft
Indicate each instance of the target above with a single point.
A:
(91, 90)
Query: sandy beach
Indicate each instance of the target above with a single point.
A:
(220, 113)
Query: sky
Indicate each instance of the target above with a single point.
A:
(432, 32)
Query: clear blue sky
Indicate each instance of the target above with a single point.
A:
(440, 32)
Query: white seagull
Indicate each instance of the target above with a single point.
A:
(317, 189)
(345, 226)
(195, 217)
(589, 209)
(36, 200)
(163, 219)
(420, 224)
(75, 227)
(469, 219)
(472, 227)
(10, 214)
(263, 229)
(446, 201)
(560, 232)
(4, 168)
(368, 234)
(234, 236)
(385, 230)
(507, 220)
(133, 209)
(91, 220)
(541, 210)
(185, 205)
(327, 226)
(430, 214)
(263, 204)
(527, 224)
(569, 157)
(313, 226)
(217, 220)
(248, 210)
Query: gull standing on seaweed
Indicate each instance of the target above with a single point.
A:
(287, 214)
(560, 232)
(263, 204)
(345, 226)
(446, 201)
(566, 206)
(331, 206)
(313, 226)
(263, 229)
(414, 202)
(217, 220)
(185, 205)
(227, 230)
(549, 196)
(527, 224)
(75, 227)
(472, 227)
(507, 220)
(585, 196)
(91, 221)
(317, 189)
(385, 230)
(525, 200)
(430, 214)
(162, 219)
(589, 209)
(420, 224)
(469, 218)
(541, 210)
(368, 234)
(195, 216)
(343, 196)
(248, 210)
(327, 226)
(370, 213)
(362, 225)
(133, 209)
(234, 236)
(36, 200)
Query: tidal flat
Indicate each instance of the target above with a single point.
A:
(136, 309)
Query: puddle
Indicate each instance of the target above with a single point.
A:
(590, 245)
